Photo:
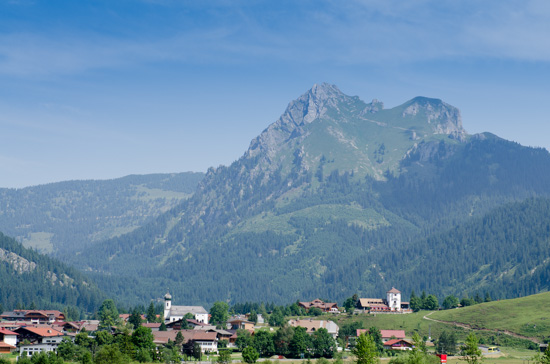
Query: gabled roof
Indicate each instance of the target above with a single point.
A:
(314, 325)
(4, 345)
(240, 320)
(396, 341)
(366, 302)
(7, 332)
(196, 323)
(75, 325)
(152, 325)
(22, 314)
(205, 336)
(393, 290)
(162, 337)
(319, 304)
(399, 334)
(224, 332)
(42, 331)
(36, 313)
(182, 310)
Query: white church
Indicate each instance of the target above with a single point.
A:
(175, 313)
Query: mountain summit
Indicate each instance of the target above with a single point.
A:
(364, 138)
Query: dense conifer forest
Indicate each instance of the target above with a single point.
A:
(434, 227)
(33, 280)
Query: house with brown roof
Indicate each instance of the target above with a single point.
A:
(240, 323)
(323, 306)
(33, 316)
(154, 326)
(313, 325)
(162, 337)
(208, 341)
(398, 344)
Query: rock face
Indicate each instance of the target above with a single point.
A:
(19, 264)
(351, 130)
(309, 107)
(373, 107)
(444, 118)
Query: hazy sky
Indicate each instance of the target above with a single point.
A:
(102, 89)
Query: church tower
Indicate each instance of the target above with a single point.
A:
(394, 299)
(167, 305)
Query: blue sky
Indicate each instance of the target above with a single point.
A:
(102, 89)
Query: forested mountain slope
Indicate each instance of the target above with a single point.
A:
(504, 253)
(320, 204)
(61, 218)
(31, 278)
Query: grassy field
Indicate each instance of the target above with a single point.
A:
(527, 316)
(411, 323)
(415, 322)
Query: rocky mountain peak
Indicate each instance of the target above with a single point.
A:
(373, 107)
(310, 106)
(444, 118)
(313, 104)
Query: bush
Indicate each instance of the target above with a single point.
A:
(224, 357)
(250, 355)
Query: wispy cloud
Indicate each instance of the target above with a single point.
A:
(355, 32)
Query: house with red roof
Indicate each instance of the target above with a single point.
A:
(398, 344)
(392, 334)
(386, 335)
(8, 341)
(39, 339)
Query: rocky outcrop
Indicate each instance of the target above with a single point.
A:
(309, 107)
(444, 118)
(19, 264)
(373, 107)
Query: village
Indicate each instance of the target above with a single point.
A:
(27, 333)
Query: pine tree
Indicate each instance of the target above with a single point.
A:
(151, 314)
(470, 351)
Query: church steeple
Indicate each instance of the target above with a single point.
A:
(167, 305)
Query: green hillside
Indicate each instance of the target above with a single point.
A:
(61, 218)
(527, 316)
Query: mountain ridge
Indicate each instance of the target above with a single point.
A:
(58, 217)
(338, 185)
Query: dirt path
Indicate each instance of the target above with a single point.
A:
(469, 327)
